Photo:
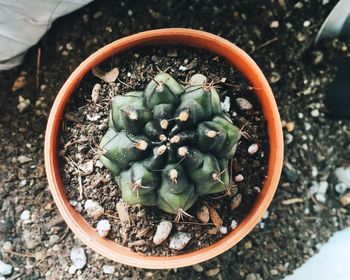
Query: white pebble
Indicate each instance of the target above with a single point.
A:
(262, 225)
(239, 178)
(25, 215)
(300, 115)
(93, 209)
(307, 126)
(108, 269)
(103, 227)
(22, 104)
(343, 175)
(179, 240)
(5, 269)
(253, 148)
(234, 224)
(266, 215)
(274, 24)
(340, 188)
(314, 171)
(223, 230)
(244, 104)
(72, 269)
(162, 232)
(306, 23)
(78, 257)
(289, 138)
(183, 68)
(198, 79)
(95, 94)
(315, 113)
(225, 106)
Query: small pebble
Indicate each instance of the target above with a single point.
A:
(306, 23)
(179, 240)
(213, 272)
(5, 269)
(275, 77)
(25, 215)
(315, 113)
(203, 214)
(289, 138)
(340, 188)
(274, 24)
(162, 232)
(345, 199)
(234, 224)
(23, 159)
(239, 178)
(93, 209)
(108, 269)
(343, 175)
(253, 148)
(198, 79)
(244, 104)
(183, 68)
(78, 257)
(266, 215)
(72, 269)
(7, 247)
(53, 239)
(274, 272)
(87, 168)
(22, 103)
(95, 94)
(103, 227)
(307, 126)
(223, 230)
(314, 171)
(225, 106)
(248, 245)
(198, 267)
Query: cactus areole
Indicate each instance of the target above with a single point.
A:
(169, 144)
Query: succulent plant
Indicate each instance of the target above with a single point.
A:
(169, 144)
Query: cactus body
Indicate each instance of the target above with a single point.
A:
(169, 144)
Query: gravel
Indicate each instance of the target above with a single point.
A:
(179, 240)
(78, 257)
(162, 232)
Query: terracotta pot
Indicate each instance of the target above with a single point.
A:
(179, 36)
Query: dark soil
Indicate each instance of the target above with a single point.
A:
(86, 121)
(299, 74)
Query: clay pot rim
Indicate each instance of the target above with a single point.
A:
(176, 36)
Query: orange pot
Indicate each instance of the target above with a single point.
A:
(179, 36)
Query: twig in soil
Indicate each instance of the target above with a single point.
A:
(20, 254)
(76, 167)
(194, 223)
(64, 235)
(111, 216)
(37, 75)
(125, 84)
(266, 44)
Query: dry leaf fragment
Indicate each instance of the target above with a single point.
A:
(213, 230)
(108, 77)
(236, 201)
(123, 213)
(20, 83)
(292, 201)
(215, 217)
(203, 214)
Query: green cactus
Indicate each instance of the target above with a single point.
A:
(169, 144)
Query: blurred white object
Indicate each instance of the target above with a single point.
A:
(332, 262)
(24, 22)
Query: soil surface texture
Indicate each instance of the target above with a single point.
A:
(279, 35)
